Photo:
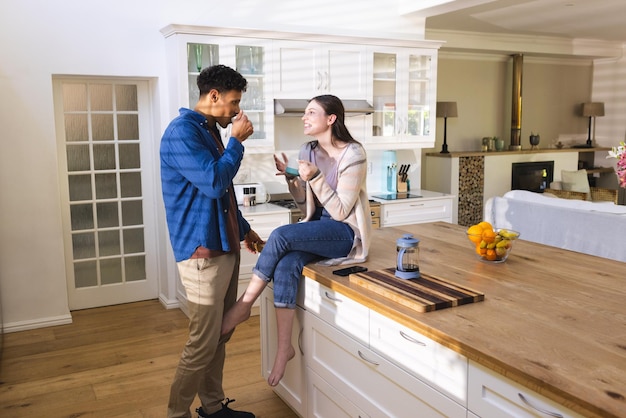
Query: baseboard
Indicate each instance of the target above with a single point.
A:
(39, 323)
(169, 303)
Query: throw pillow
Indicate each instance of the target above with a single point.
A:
(575, 181)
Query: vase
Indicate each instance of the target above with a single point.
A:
(198, 54)
(534, 141)
(499, 144)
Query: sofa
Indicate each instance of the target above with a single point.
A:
(595, 228)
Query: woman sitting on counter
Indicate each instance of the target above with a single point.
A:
(330, 189)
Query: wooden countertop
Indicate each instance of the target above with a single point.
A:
(552, 320)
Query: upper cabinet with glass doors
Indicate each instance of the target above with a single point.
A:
(396, 76)
(251, 57)
(303, 70)
(404, 96)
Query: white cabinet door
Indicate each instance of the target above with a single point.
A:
(373, 384)
(292, 387)
(189, 54)
(416, 211)
(326, 402)
(307, 69)
(404, 96)
(492, 395)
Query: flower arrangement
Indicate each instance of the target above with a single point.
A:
(619, 152)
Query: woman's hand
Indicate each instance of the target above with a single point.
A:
(307, 170)
(281, 166)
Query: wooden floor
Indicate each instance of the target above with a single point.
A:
(119, 361)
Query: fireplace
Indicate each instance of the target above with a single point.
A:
(535, 176)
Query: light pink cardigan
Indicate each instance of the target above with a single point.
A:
(349, 203)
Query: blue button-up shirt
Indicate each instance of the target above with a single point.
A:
(196, 180)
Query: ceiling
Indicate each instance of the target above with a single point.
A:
(576, 19)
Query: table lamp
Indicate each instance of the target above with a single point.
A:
(591, 110)
(446, 110)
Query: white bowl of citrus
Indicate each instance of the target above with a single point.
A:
(492, 245)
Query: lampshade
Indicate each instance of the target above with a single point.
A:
(446, 110)
(589, 109)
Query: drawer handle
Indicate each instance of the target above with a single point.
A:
(411, 339)
(543, 411)
(334, 299)
(416, 204)
(368, 360)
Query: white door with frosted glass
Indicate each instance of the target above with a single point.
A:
(107, 175)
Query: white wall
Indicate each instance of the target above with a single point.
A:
(42, 38)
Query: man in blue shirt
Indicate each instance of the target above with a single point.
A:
(206, 228)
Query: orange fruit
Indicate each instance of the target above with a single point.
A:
(488, 235)
(485, 225)
(474, 233)
(491, 255)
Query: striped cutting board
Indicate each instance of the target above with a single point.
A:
(424, 294)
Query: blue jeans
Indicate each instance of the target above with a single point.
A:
(290, 247)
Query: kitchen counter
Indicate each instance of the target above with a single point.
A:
(423, 195)
(261, 209)
(552, 320)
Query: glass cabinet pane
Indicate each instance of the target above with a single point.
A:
(252, 98)
(385, 71)
(419, 87)
(199, 56)
(249, 59)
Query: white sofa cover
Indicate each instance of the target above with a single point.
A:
(596, 228)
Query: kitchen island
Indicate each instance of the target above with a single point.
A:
(552, 321)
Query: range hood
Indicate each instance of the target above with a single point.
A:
(295, 107)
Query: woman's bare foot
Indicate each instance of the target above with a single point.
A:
(280, 364)
(239, 312)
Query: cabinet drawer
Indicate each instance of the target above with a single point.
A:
(416, 211)
(493, 395)
(336, 309)
(439, 366)
(326, 402)
(372, 383)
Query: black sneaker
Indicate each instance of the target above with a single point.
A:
(225, 412)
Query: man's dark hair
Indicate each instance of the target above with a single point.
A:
(220, 78)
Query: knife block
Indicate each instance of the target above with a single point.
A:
(401, 185)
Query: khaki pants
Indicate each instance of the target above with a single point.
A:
(211, 286)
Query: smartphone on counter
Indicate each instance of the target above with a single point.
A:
(350, 270)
